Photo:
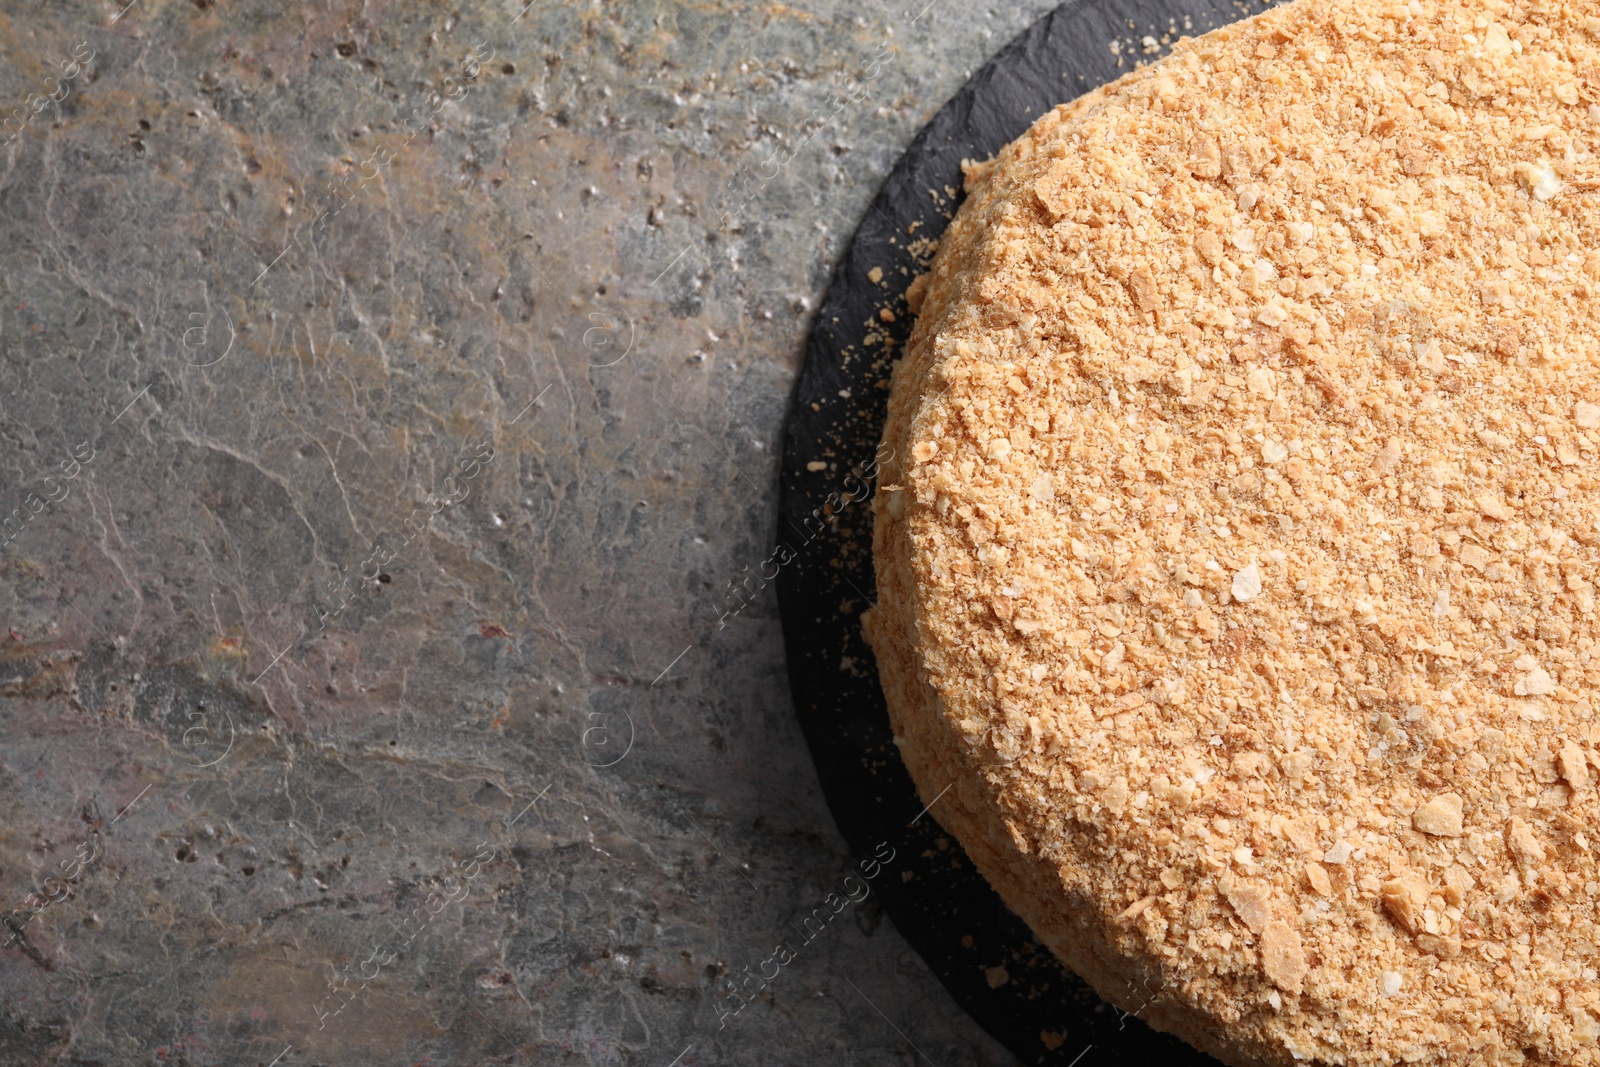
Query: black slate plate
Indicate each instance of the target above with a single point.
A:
(942, 906)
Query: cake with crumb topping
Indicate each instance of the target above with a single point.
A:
(1236, 555)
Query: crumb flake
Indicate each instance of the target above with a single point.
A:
(1440, 816)
(1247, 584)
(1573, 766)
(1539, 180)
(1282, 957)
(1136, 909)
(1404, 897)
(1252, 903)
(1535, 683)
(1523, 843)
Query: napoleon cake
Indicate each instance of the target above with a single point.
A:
(1236, 557)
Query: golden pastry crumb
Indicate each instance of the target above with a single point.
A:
(1236, 559)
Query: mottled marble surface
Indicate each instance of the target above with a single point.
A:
(389, 393)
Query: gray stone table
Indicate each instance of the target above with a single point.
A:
(389, 393)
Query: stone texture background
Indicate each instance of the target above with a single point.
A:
(306, 762)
